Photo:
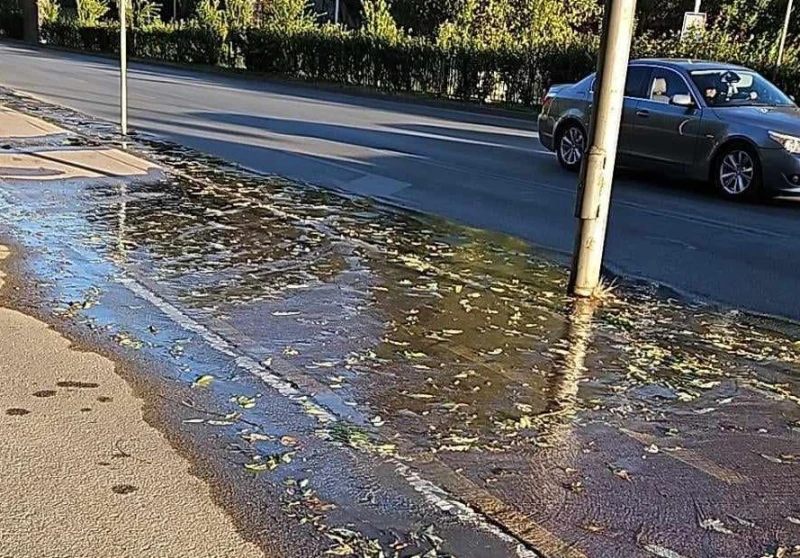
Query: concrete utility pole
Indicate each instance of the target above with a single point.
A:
(123, 68)
(597, 173)
(785, 31)
(30, 21)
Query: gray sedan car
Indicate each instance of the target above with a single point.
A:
(703, 120)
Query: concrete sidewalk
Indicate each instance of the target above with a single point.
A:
(27, 154)
(82, 474)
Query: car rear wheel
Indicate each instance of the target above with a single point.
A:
(737, 173)
(571, 146)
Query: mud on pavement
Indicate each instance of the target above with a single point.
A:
(395, 385)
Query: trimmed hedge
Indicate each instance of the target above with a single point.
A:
(184, 45)
(411, 66)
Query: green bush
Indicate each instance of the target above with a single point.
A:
(49, 11)
(185, 44)
(411, 65)
(91, 11)
(90, 38)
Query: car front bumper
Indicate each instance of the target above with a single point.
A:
(780, 171)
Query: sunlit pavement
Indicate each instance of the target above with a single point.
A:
(364, 380)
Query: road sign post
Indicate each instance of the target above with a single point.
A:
(123, 68)
(594, 194)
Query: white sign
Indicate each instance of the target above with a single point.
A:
(693, 20)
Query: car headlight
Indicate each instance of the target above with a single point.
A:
(789, 143)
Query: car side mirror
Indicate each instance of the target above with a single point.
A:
(682, 100)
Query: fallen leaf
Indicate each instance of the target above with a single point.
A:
(621, 473)
(715, 525)
(705, 411)
(245, 402)
(741, 521)
(203, 381)
(794, 520)
(772, 459)
(255, 437)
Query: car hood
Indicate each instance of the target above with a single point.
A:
(778, 119)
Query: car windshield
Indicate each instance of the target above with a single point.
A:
(734, 87)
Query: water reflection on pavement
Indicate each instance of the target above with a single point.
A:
(638, 426)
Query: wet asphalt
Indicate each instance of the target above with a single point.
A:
(359, 380)
(484, 171)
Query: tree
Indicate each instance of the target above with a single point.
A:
(424, 17)
(90, 11)
(378, 21)
(285, 15)
(507, 24)
(49, 11)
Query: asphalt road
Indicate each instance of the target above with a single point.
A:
(485, 171)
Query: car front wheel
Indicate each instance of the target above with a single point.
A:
(737, 173)
(571, 146)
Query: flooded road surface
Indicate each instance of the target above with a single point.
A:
(377, 384)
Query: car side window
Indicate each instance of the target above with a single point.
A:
(664, 84)
(635, 83)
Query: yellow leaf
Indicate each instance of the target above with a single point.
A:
(245, 402)
(203, 381)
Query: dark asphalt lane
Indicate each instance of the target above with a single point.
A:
(483, 170)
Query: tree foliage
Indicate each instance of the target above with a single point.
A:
(239, 14)
(287, 15)
(49, 11)
(506, 24)
(142, 13)
(91, 11)
(379, 23)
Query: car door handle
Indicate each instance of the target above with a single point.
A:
(643, 113)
